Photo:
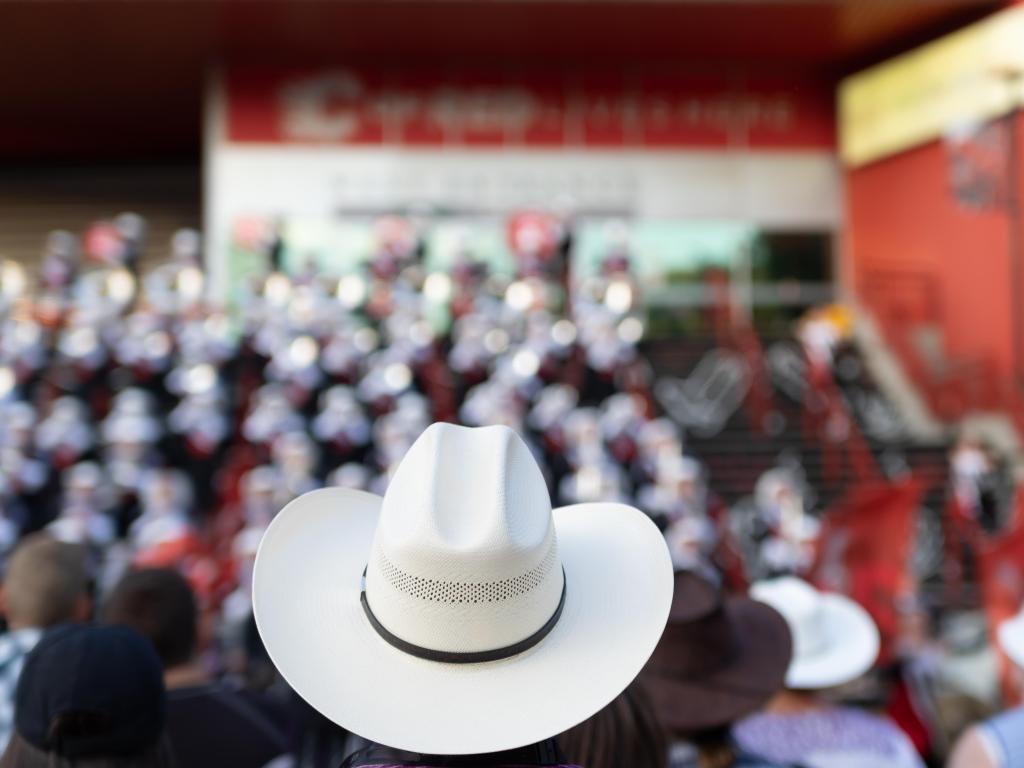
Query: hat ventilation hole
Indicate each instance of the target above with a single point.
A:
(439, 591)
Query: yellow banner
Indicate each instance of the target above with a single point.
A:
(960, 80)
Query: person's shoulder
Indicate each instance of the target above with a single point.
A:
(1012, 719)
(207, 724)
(226, 706)
(213, 694)
(972, 750)
(992, 743)
(193, 693)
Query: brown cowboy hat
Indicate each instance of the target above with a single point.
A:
(719, 658)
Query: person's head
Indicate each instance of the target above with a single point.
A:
(82, 484)
(89, 697)
(165, 490)
(259, 489)
(46, 583)
(159, 604)
(626, 732)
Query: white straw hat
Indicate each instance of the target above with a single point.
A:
(834, 639)
(485, 621)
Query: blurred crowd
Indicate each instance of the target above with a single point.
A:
(158, 428)
(155, 433)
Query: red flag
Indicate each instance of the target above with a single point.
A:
(727, 557)
(865, 550)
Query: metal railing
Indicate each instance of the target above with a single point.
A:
(909, 306)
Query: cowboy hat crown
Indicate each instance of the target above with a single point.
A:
(465, 558)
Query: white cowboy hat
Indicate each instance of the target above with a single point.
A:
(834, 639)
(1011, 638)
(485, 620)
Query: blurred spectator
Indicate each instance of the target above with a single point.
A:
(46, 584)
(999, 741)
(85, 514)
(626, 732)
(786, 535)
(718, 660)
(90, 696)
(835, 641)
(208, 724)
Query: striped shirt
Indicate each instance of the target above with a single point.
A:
(14, 647)
(832, 737)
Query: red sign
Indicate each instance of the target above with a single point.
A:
(372, 107)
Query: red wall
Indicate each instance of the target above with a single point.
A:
(915, 248)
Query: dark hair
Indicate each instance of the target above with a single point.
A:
(626, 732)
(159, 604)
(21, 754)
(543, 753)
(715, 748)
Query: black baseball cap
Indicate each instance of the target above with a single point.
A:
(90, 691)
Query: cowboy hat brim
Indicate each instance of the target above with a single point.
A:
(851, 649)
(725, 695)
(306, 589)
